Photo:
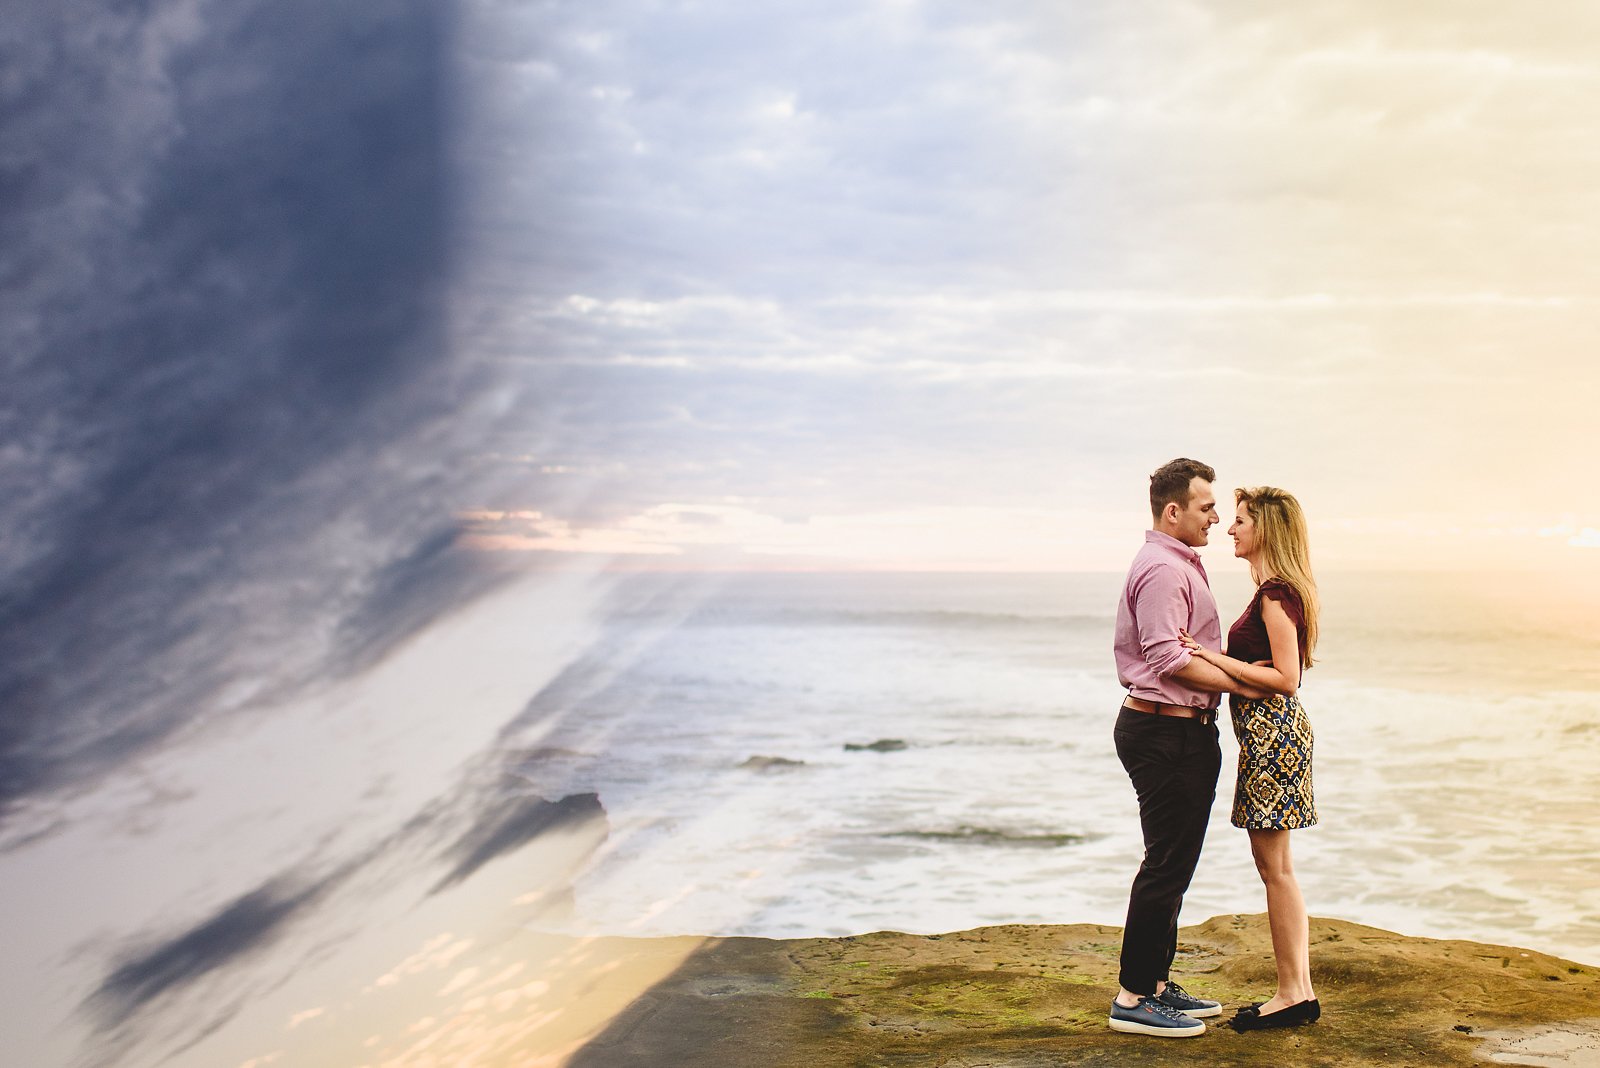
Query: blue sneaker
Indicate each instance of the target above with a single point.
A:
(1151, 1017)
(1176, 997)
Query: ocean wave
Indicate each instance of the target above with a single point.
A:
(993, 836)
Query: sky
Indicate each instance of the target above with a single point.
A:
(324, 328)
(234, 438)
(936, 285)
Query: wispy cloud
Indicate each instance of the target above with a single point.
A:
(503, 829)
(739, 535)
(438, 952)
(245, 926)
(227, 364)
(959, 273)
(303, 305)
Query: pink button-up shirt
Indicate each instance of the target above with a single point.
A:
(1166, 591)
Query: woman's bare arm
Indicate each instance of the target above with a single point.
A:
(1285, 642)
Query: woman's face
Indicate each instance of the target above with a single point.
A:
(1243, 532)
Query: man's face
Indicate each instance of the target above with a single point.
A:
(1196, 520)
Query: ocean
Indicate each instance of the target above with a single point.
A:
(363, 873)
(824, 754)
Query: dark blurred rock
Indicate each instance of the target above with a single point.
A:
(765, 763)
(882, 745)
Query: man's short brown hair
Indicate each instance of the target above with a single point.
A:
(1170, 483)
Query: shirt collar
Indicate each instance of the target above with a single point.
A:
(1172, 544)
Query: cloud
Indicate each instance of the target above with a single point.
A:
(286, 337)
(304, 1016)
(405, 595)
(234, 419)
(743, 535)
(955, 263)
(437, 952)
(235, 932)
(181, 986)
(263, 1060)
(505, 828)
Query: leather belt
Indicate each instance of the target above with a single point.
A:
(1160, 708)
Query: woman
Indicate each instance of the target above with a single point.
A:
(1269, 646)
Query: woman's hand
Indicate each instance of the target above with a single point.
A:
(1195, 647)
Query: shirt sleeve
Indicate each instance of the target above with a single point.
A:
(1161, 610)
(1285, 595)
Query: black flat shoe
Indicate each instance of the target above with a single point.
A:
(1251, 1019)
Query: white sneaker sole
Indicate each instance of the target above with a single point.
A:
(1215, 1010)
(1132, 1027)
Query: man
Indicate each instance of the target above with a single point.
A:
(1166, 737)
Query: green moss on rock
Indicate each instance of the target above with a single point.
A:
(1021, 996)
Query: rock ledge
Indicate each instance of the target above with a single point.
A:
(1036, 996)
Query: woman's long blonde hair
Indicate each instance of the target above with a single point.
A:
(1285, 548)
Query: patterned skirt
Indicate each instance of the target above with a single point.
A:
(1273, 790)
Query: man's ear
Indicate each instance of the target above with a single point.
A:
(1170, 511)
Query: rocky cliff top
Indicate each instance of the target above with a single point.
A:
(1032, 996)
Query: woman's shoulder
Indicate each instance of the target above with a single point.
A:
(1278, 590)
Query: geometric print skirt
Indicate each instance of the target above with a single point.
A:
(1273, 790)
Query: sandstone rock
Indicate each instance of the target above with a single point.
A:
(1032, 996)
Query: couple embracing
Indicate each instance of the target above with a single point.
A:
(1169, 656)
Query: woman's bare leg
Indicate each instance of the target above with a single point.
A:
(1286, 915)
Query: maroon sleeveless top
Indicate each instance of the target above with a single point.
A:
(1247, 638)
